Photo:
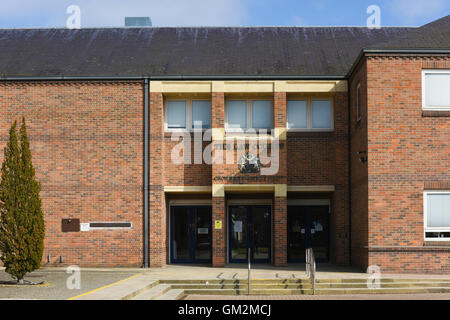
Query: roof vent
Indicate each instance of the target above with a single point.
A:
(138, 22)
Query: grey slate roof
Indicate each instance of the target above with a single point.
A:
(434, 35)
(203, 51)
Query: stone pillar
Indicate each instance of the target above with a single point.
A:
(157, 208)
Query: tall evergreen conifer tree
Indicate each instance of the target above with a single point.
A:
(22, 227)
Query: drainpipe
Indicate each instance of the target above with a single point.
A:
(349, 172)
(146, 172)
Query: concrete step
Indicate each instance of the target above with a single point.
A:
(153, 293)
(330, 291)
(384, 285)
(174, 294)
(241, 286)
(300, 281)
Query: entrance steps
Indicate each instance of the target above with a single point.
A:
(177, 289)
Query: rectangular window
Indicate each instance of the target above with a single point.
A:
(358, 103)
(436, 90)
(187, 114)
(297, 114)
(321, 114)
(237, 114)
(310, 114)
(437, 215)
(201, 114)
(248, 114)
(261, 114)
(176, 114)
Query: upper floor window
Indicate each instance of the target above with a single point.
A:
(310, 114)
(437, 215)
(436, 89)
(358, 102)
(248, 114)
(187, 114)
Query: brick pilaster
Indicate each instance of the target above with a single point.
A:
(157, 210)
(280, 231)
(219, 235)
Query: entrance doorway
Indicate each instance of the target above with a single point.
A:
(190, 235)
(308, 227)
(250, 228)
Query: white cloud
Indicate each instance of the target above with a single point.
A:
(416, 11)
(50, 13)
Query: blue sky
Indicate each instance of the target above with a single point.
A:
(109, 13)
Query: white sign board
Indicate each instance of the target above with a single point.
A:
(238, 226)
(84, 227)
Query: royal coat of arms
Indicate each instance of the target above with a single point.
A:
(249, 163)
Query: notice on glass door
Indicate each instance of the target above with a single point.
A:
(238, 226)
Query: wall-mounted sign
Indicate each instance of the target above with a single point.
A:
(218, 224)
(238, 226)
(84, 227)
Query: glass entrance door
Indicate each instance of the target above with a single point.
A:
(308, 227)
(190, 234)
(250, 227)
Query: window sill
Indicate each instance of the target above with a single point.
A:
(436, 243)
(435, 113)
(309, 130)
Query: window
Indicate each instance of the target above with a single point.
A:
(248, 114)
(358, 103)
(437, 215)
(187, 114)
(436, 90)
(310, 114)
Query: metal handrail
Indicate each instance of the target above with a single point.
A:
(249, 270)
(311, 268)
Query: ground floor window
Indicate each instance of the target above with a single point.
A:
(437, 215)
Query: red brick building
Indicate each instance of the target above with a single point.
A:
(358, 155)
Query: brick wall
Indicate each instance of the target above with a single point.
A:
(408, 151)
(87, 146)
(321, 158)
(359, 173)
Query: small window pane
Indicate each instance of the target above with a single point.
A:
(176, 114)
(237, 114)
(201, 112)
(261, 114)
(438, 211)
(437, 89)
(297, 114)
(321, 114)
(358, 103)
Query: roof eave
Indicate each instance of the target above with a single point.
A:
(363, 52)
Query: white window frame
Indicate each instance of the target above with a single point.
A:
(249, 118)
(189, 124)
(424, 106)
(425, 215)
(358, 102)
(309, 127)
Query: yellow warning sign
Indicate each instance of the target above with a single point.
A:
(218, 224)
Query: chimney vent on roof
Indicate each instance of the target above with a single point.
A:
(138, 22)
